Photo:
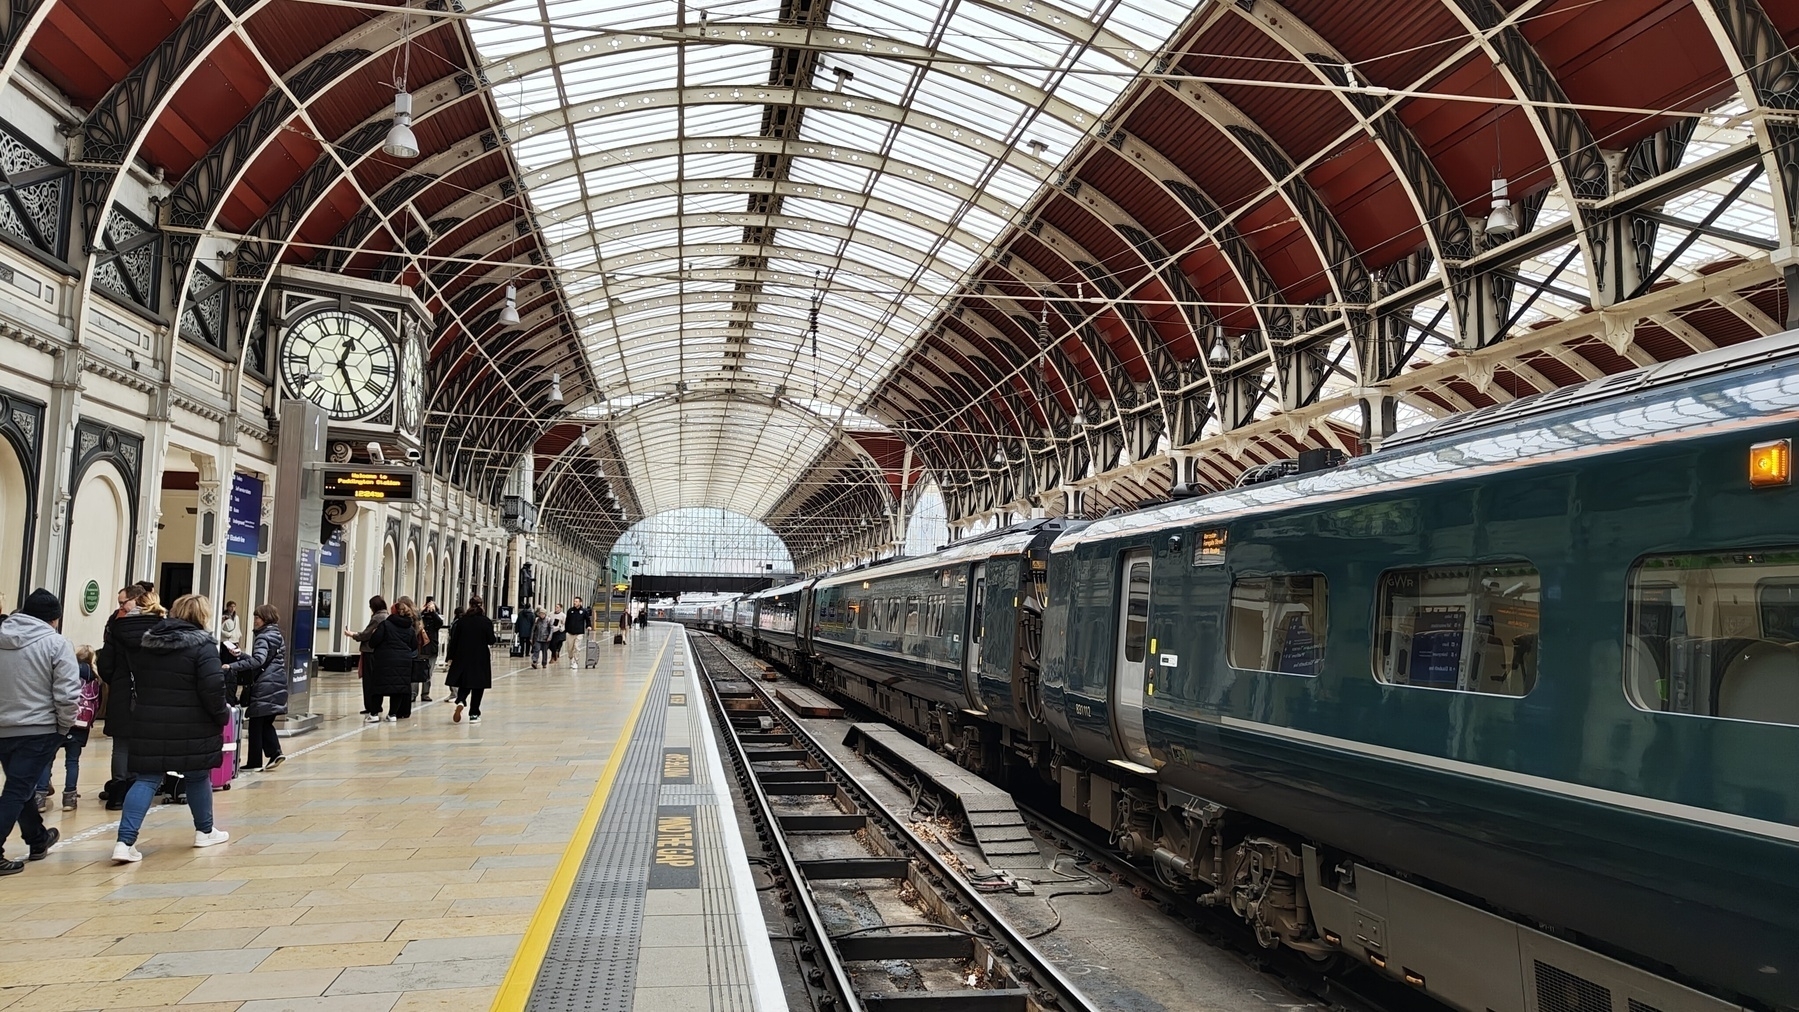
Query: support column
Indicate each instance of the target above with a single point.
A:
(1380, 418)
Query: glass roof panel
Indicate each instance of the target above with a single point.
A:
(714, 198)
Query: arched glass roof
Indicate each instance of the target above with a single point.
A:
(760, 203)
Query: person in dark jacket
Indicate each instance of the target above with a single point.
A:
(178, 708)
(371, 700)
(262, 676)
(524, 626)
(471, 666)
(142, 611)
(432, 621)
(393, 651)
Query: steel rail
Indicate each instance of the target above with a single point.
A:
(1048, 988)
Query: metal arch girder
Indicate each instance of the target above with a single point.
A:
(1447, 226)
(274, 231)
(195, 201)
(1298, 372)
(652, 325)
(749, 187)
(838, 153)
(1157, 354)
(674, 254)
(994, 373)
(1235, 391)
(1568, 143)
(739, 219)
(409, 186)
(1057, 20)
(21, 21)
(1143, 421)
(805, 99)
(112, 132)
(1766, 70)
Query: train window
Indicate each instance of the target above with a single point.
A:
(1278, 623)
(1466, 628)
(912, 615)
(1715, 634)
(1136, 627)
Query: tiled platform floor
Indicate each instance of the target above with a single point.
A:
(388, 867)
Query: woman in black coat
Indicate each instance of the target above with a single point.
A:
(393, 650)
(471, 665)
(178, 711)
(262, 677)
(124, 632)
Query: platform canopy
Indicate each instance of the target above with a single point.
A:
(798, 259)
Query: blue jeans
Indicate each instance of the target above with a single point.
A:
(143, 791)
(24, 759)
(71, 767)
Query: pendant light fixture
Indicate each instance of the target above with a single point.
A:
(555, 388)
(1219, 355)
(401, 142)
(509, 313)
(1501, 219)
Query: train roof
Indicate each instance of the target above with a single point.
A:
(1010, 541)
(785, 588)
(1750, 384)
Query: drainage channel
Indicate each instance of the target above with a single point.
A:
(884, 923)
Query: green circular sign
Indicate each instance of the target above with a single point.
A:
(90, 597)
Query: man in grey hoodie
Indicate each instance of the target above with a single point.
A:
(40, 687)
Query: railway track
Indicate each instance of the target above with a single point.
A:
(881, 921)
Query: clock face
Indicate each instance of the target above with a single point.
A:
(339, 361)
(412, 385)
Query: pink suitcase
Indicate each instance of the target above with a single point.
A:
(223, 773)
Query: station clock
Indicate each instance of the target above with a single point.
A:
(412, 384)
(343, 362)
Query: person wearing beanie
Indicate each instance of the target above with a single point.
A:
(40, 691)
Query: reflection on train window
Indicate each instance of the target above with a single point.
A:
(1278, 624)
(1715, 634)
(1467, 628)
(1136, 628)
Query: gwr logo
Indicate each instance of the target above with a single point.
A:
(674, 841)
(677, 766)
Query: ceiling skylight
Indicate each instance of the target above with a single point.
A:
(711, 186)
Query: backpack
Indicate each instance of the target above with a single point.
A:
(88, 706)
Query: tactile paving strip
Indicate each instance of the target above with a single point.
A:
(592, 959)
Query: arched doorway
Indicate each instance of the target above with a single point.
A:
(409, 577)
(100, 554)
(15, 526)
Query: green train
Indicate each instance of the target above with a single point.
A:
(1508, 710)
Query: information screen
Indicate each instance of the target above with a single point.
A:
(370, 484)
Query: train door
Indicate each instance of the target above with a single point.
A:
(971, 657)
(1131, 669)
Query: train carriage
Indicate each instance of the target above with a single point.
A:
(1551, 664)
(939, 640)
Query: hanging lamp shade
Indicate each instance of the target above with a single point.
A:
(401, 142)
(1219, 355)
(1502, 218)
(509, 314)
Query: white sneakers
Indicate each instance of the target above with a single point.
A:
(456, 718)
(474, 720)
(125, 853)
(373, 718)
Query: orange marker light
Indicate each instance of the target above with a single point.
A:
(1771, 463)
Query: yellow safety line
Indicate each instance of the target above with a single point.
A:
(521, 976)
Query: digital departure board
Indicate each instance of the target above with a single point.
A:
(370, 484)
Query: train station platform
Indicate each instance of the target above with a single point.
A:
(577, 849)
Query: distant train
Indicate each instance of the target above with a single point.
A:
(1508, 710)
